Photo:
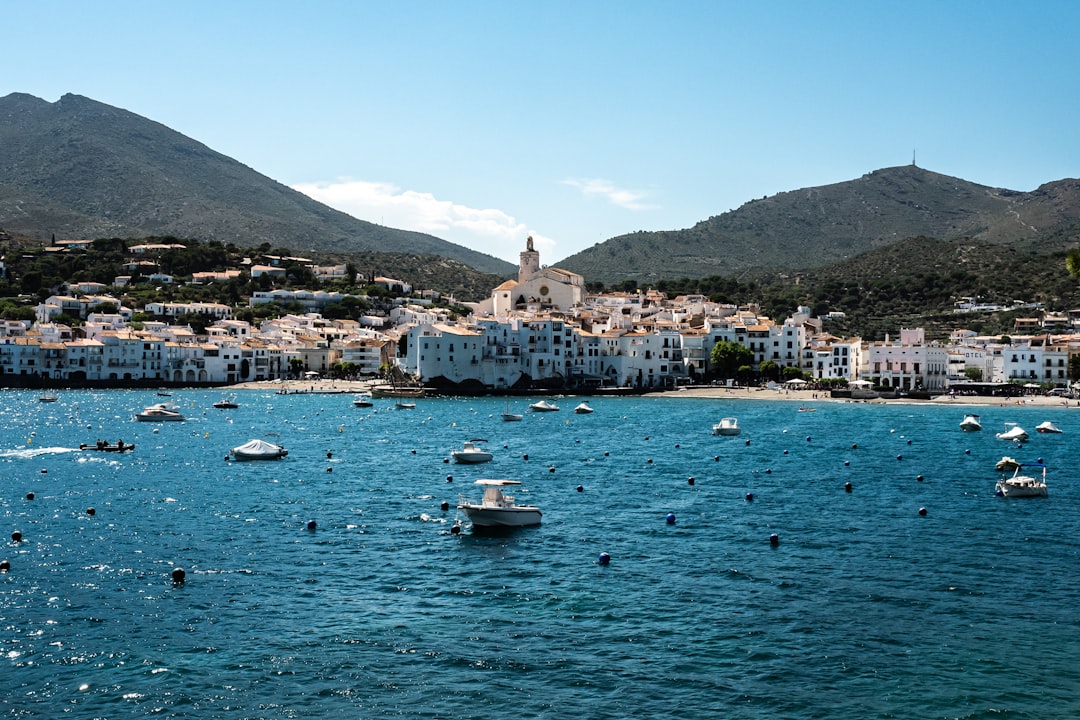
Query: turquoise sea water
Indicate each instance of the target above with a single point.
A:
(865, 609)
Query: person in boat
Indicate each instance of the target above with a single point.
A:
(120, 444)
(100, 443)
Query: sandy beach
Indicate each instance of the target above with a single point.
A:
(803, 397)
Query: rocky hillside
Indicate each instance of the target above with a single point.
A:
(820, 226)
(80, 169)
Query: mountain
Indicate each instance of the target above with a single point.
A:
(78, 169)
(819, 226)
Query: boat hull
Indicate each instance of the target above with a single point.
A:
(159, 418)
(489, 517)
(1021, 490)
(244, 457)
(471, 458)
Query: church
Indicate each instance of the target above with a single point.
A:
(536, 289)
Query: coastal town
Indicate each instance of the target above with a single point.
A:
(542, 330)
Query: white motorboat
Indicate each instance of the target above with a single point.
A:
(1023, 485)
(496, 510)
(583, 408)
(970, 423)
(1047, 427)
(363, 401)
(726, 426)
(543, 406)
(471, 454)
(160, 412)
(258, 450)
(402, 405)
(1013, 433)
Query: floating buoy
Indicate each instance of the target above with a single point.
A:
(551, 469)
(446, 461)
(808, 438)
(847, 487)
(606, 454)
(16, 536)
(29, 496)
(749, 497)
(5, 566)
(785, 452)
(670, 519)
(716, 458)
(178, 576)
(774, 539)
(922, 511)
(444, 506)
(311, 525)
(646, 437)
(329, 454)
(580, 488)
(455, 529)
(847, 463)
(525, 456)
(899, 457)
(649, 461)
(226, 458)
(91, 511)
(967, 452)
(919, 478)
(413, 452)
(854, 446)
(207, 435)
(44, 471)
(908, 442)
(690, 480)
(603, 559)
(449, 478)
(768, 471)
(748, 441)
(329, 469)
(676, 445)
(341, 428)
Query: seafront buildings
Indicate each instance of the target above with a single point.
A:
(541, 329)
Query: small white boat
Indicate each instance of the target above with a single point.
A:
(496, 510)
(401, 405)
(470, 454)
(363, 401)
(583, 408)
(543, 406)
(1022, 486)
(161, 412)
(726, 426)
(258, 450)
(1013, 433)
(226, 405)
(46, 398)
(508, 416)
(970, 423)
(1047, 427)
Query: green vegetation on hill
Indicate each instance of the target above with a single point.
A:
(80, 169)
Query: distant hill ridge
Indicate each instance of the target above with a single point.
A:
(78, 168)
(819, 226)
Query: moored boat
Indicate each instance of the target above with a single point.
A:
(727, 426)
(226, 405)
(970, 423)
(258, 450)
(1047, 427)
(1013, 433)
(543, 406)
(497, 510)
(161, 412)
(583, 408)
(471, 454)
(363, 401)
(1022, 485)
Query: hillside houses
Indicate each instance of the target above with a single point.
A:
(540, 330)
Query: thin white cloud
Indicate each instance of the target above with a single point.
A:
(629, 199)
(488, 230)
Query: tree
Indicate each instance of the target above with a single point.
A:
(769, 370)
(973, 374)
(728, 356)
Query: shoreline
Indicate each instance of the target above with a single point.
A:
(805, 397)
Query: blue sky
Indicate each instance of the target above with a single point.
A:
(484, 122)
